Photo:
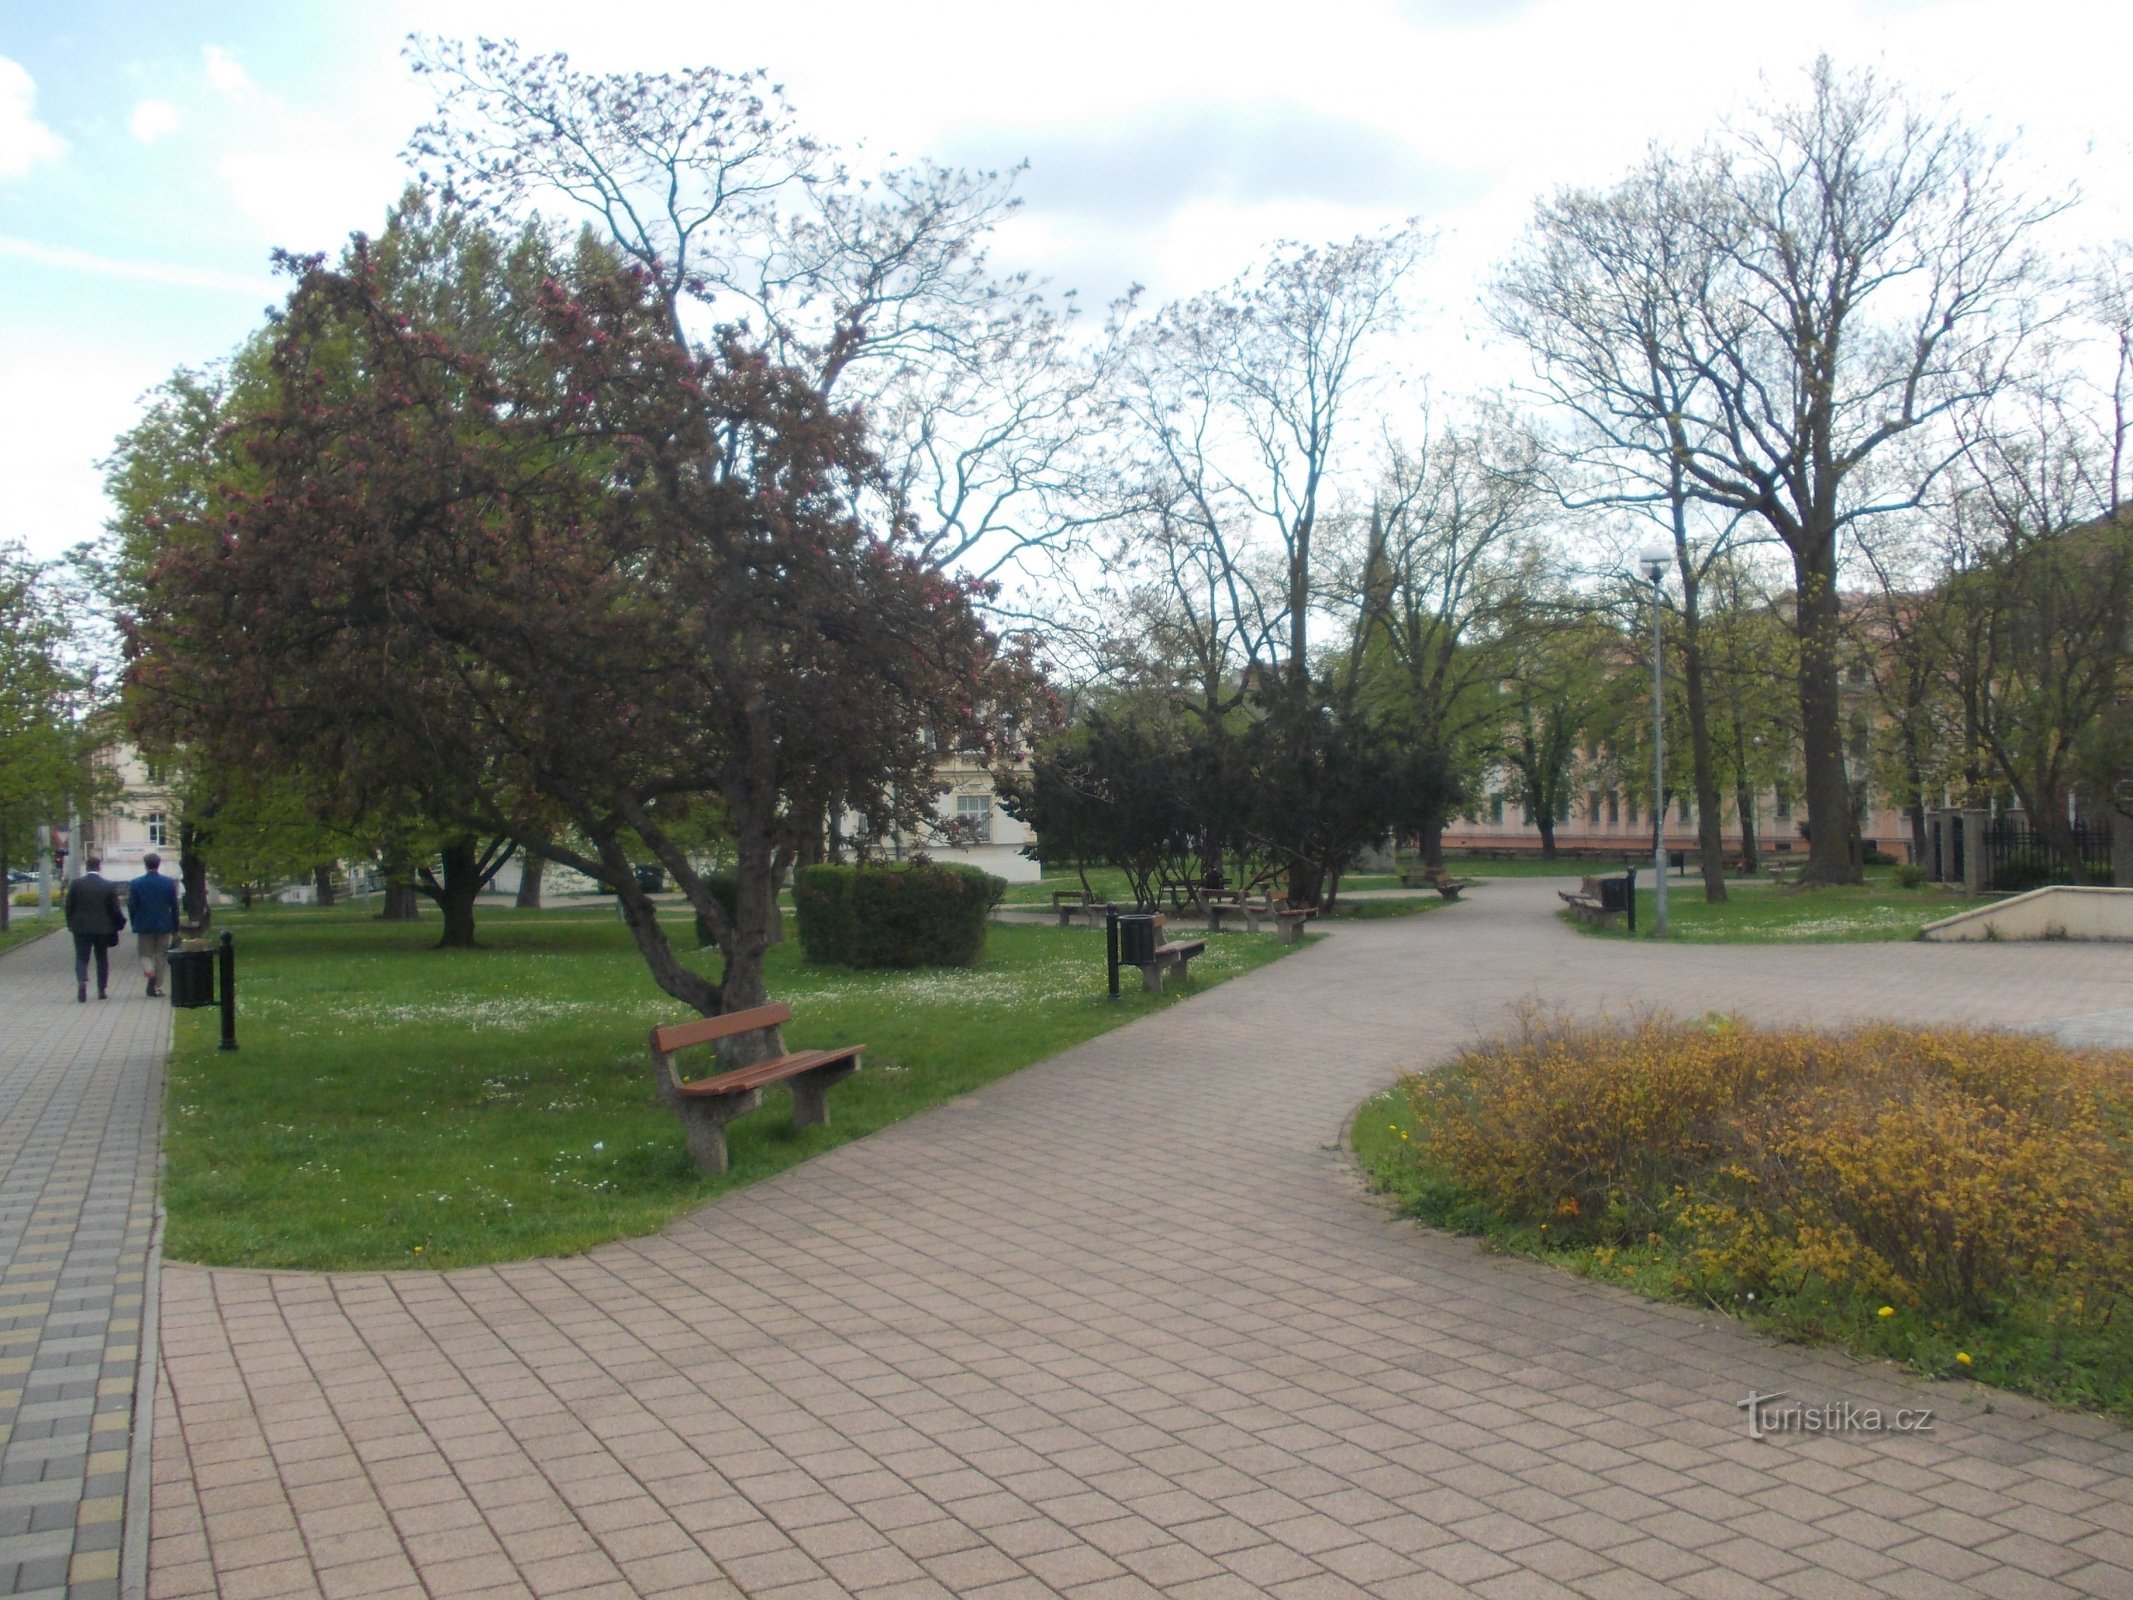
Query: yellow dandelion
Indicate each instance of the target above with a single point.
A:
(1963, 1356)
(1886, 1311)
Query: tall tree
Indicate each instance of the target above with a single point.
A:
(1597, 295)
(605, 573)
(874, 284)
(1863, 271)
(43, 758)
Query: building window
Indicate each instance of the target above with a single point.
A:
(155, 829)
(1614, 807)
(1592, 805)
(1784, 806)
(1684, 808)
(1496, 808)
(1629, 812)
(973, 818)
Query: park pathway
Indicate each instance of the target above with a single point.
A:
(1125, 1324)
(80, 1110)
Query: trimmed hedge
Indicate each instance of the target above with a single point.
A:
(909, 915)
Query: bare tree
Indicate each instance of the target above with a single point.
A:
(1239, 403)
(1599, 294)
(1862, 271)
(876, 284)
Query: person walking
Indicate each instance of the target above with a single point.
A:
(152, 903)
(94, 917)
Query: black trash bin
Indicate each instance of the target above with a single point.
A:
(652, 880)
(1136, 939)
(1614, 894)
(192, 978)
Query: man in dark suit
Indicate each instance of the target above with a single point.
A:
(94, 917)
(152, 903)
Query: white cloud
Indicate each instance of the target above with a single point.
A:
(24, 141)
(226, 74)
(167, 272)
(153, 120)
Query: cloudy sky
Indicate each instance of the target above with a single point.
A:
(151, 156)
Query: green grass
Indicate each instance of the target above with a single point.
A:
(397, 1105)
(1524, 867)
(1761, 913)
(1110, 884)
(1346, 910)
(26, 927)
(2022, 1347)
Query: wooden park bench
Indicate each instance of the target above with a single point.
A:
(1435, 878)
(1168, 958)
(1289, 920)
(1068, 902)
(1587, 905)
(706, 1105)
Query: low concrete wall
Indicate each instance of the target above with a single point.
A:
(2059, 912)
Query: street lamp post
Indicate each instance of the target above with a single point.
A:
(1655, 562)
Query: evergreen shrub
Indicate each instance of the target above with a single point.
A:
(907, 915)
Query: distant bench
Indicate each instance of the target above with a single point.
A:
(706, 1105)
(1589, 904)
(1435, 878)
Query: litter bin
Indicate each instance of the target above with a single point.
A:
(192, 978)
(1136, 939)
(1614, 894)
(652, 879)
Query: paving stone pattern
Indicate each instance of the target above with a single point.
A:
(1124, 1325)
(80, 1089)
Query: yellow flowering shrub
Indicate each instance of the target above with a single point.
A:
(1935, 1169)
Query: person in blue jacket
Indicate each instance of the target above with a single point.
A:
(152, 903)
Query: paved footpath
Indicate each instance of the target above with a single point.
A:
(1126, 1324)
(80, 1107)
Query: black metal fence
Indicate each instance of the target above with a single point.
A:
(2018, 856)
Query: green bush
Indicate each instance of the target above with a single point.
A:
(725, 887)
(1910, 877)
(910, 915)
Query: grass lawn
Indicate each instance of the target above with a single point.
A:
(1760, 913)
(1533, 867)
(1110, 884)
(1347, 910)
(397, 1105)
(26, 927)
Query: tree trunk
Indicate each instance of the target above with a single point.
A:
(456, 894)
(401, 902)
(1544, 819)
(192, 876)
(530, 869)
(1917, 812)
(1744, 802)
(1832, 856)
(7, 887)
(1433, 841)
(1710, 817)
(1306, 881)
(322, 882)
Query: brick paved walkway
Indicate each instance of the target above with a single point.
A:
(80, 1107)
(1125, 1324)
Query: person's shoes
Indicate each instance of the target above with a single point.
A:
(153, 991)
(81, 994)
(100, 994)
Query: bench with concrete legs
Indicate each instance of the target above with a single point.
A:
(706, 1105)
